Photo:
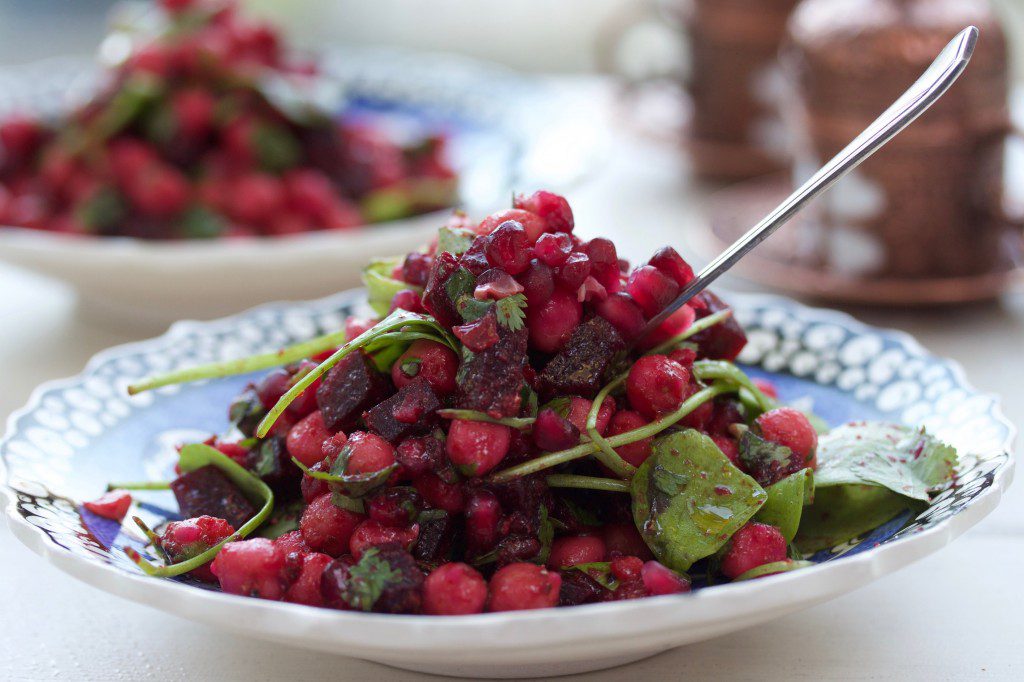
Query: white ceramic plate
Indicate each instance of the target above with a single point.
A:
(77, 434)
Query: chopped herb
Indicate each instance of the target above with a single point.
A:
(511, 313)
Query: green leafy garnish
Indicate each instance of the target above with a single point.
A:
(283, 520)
(786, 502)
(905, 460)
(841, 513)
(381, 287)
(276, 148)
(600, 572)
(196, 456)
(348, 485)
(773, 568)
(454, 240)
(688, 499)
(478, 416)
(398, 327)
(511, 313)
(546, 535)
(368, 579)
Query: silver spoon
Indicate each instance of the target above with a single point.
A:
(931, 86)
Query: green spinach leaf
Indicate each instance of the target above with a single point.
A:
(786, 502)
(688, 499)
(905, 460)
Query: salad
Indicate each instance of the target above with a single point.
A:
(501, 436)
(207, 127)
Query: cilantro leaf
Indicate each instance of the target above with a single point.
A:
(546, 535)
(511, 313)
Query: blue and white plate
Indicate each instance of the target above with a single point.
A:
(507, 133)
(78, 434)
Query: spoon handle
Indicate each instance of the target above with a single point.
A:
(931, 86)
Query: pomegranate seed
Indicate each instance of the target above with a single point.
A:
(651, 289)
(483, 518)
(553, 248)
(477, 447)
(677, 323)
(326, 527)
(368, 453)
(791, 428)
(753, 545)
(355, 326)
(626, 568)
(579, 410)
(407, 299)
(396, 507)
(306, 587)
(521, 586)
(495, 285)
(572, 550)
(634, 453)
(507, 248)
(656, 385)
(623, 539)
(623, 313)
(538, 282)
(672, 264)
(552, 208)
(440, 494)
(728, 447)
(659, 580)
(552, 432)
(416, 268)
(372, 533)
(434, 362)
(112, 505)
(531, 223)
(552, 323)
(454, 590)
(253, 568)
(571, 274)
(305, 440)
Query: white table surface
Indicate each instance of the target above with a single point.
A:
(955, 615)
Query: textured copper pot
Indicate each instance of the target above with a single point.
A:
(735, 131)
(930, 203)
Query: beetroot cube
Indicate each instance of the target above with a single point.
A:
(207, 491)
(350, 387)
(580, 367)
(408, 412)
(491, 381)
(725, 340)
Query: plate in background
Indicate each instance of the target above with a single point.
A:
(508, 132)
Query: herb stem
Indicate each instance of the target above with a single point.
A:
(245, 365)
(140, 485)
(584, 449)
(587, 483)
(696, 328)
(726, 371)
(477, 416)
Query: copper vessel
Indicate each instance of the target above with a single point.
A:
(931, 203)
(734, 85)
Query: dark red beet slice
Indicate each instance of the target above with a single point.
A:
(270, 460)
(408, 412)
(351, 386)
(580, 367)
(725, 340)
(491, 381)
(209, 492)
(437, 535)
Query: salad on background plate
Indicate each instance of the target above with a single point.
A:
(500, 436)
(207, 126)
